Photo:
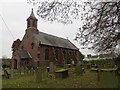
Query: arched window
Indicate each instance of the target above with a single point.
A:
(22, 47)
(38, 62)
(46, 54)
(32, 45)
(38, 55)
(56, 54)
(70, 53)
(28, 23)
(64, 54)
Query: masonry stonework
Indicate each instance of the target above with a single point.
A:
(38, 49)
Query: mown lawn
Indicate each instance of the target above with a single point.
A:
(87, 80)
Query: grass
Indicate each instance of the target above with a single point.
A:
(87, 80)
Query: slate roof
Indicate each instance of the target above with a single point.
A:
(24, 54)
(32, 16)
(47, 39)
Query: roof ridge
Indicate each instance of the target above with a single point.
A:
(53, 35)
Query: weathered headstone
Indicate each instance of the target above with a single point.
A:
(38, 75)
(73, 62)
(51, 67)
(78, 70)
(62, 73)
(7, 73)
(32, 71)
(108, 79)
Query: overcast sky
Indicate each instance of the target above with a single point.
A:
(15, 14)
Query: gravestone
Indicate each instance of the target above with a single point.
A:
(7, 73)
(108, 79)
(32, 71)
(79, 70)
(38, 75)
(52, 67)
(11, 73)
(62, 73)
(26, 70)
(73, 62)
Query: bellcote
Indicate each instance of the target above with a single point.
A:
(32, 20)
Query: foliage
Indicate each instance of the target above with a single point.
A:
(101, 20)
(100, 61)
(62, 11)
(100, 25)
(117, 60)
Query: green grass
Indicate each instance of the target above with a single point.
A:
(87, 80)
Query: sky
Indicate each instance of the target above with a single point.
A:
(15, 12)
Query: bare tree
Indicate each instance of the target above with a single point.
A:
(62, 11)
(101, 26)
(101, 20)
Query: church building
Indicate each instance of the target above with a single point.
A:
(38, 49)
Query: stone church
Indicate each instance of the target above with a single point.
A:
(38, 49)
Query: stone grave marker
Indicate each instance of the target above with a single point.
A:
(26, 70)
(7, 73)
(79, 70)
(32, 71)
(38, 75)
(108, 79)
(52, 67)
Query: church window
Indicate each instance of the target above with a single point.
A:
(22, 47)
(38, 62)
(70, 54)
(56, 54)
(64, 54)
(33, 23)
(32, 45)
(46, 54)
(26, 62)
(38, 55)
(28, 24)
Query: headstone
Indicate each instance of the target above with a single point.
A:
(11, 73)
(38, 75)
(73, 62)
(78, 70)
(51, 67)
(32, 71)
(7, 73)
(108, 79)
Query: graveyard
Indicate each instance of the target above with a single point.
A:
(104, 73)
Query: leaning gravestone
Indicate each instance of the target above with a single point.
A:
(7, 73)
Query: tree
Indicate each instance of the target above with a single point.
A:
(101, 20)
(101, 26)
(62, 11)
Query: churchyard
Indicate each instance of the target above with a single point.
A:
(91, 74)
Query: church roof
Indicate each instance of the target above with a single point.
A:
(32, 16)
(47, 39)
(24, 54)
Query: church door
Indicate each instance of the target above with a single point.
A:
(15, 64)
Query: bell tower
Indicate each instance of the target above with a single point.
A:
(32, 20)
